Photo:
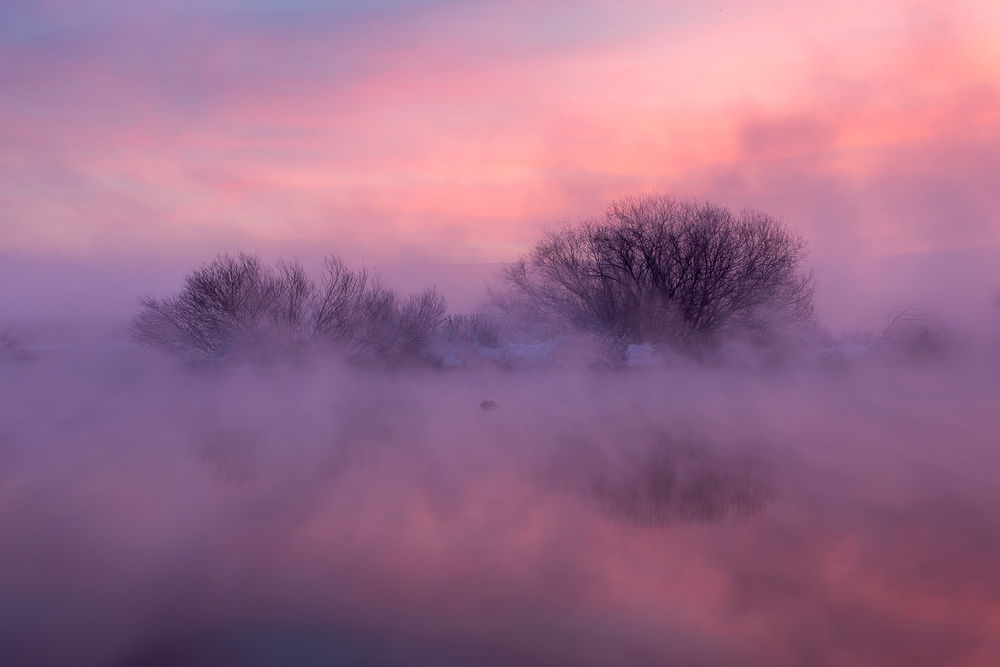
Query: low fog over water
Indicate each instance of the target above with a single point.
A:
(825, 510)
(484, 380)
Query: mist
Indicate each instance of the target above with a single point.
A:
(826, 498)
(296, 367)
(821, 508)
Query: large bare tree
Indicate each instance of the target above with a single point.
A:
(658, 268)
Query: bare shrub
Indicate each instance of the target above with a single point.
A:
(225, 305)
(237, 307)
(659, 269)
(420, 318)
(913, 332)
(478, 329)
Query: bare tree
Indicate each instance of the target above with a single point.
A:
(237, 306)
(220, 308)
(420, 317)
(479, 329)
(914, 332)
(656, 268)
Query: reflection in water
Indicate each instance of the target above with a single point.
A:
(655, 480)
(155, 517)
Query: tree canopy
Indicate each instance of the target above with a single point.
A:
(237, 306)
(657, 268)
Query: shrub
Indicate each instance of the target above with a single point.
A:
(914, 333)
(237, 307)
(477, 329)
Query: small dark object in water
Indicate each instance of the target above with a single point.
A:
(488, 405)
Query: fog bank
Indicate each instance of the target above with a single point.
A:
(311, 515)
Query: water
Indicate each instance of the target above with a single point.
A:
(321, 515)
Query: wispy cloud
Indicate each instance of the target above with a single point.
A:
(462, 127)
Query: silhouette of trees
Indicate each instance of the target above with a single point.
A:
(914, 332)
(477, 329)
(11, 346)
(236, 306)
(656, 268)
(652, 269)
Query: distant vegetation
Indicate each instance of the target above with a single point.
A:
(237, 307)
(654, 275)
(11, 346)
(659, 270)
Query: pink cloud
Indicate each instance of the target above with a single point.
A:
(458, 131)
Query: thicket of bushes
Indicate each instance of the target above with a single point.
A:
(651, 270)
(237, 307)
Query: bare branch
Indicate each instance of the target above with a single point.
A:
(658, 268)
(236, 306)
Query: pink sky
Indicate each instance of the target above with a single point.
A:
(453, 132)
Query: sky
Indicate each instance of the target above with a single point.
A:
(843, 508)
(444, 133)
